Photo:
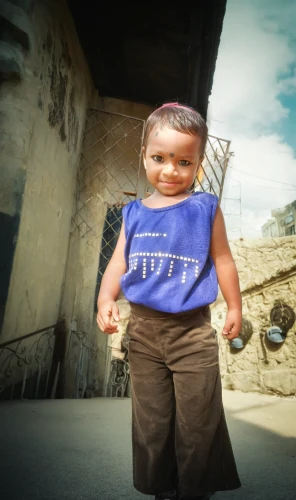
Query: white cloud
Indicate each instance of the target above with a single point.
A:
(265, 157)
(288, 85)
(254, 65)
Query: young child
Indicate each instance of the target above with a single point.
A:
(171, 254)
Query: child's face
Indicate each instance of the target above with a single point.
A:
(171, 160)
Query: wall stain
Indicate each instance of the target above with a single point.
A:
(63, 132)
(58, 90)
(65, 58)
(72, 121)
(48, 44)
(58, 73)
(40, 102)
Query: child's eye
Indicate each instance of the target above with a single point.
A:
(184, 163)
(157, 158)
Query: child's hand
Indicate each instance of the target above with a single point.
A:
(233, 324)
(107, 314)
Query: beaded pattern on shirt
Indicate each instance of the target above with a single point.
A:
(160, 262)
(141, 235)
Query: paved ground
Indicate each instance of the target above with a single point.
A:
(80, 449)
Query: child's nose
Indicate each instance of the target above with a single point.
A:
(169, 169)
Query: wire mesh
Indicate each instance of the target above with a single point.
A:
(211, 175)
(107, 179)
(108, 171)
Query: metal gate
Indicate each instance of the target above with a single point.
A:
(109, 170)
(110, 175)
(211, 175)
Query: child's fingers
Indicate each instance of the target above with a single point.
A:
(227, 328)
(232, 335)
(105, 324)
(230, 332)
(115, 312)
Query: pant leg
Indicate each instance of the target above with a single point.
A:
(183, 345)
(153, 410)
(203, 449)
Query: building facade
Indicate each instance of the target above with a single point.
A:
(282, 223)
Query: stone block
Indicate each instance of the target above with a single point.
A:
(281, 382)
(244, 381)
(116, 339)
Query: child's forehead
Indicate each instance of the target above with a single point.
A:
(164, 133)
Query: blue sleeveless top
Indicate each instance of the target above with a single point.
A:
(169, 268)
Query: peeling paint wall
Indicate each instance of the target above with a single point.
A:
(267, 271)
(42, 122)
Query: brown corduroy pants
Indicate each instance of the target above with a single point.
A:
(179, 434)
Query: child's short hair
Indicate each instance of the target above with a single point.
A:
(179, 117)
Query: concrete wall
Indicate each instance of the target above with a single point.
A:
(267, 270)
(58, 175)
(43, 114)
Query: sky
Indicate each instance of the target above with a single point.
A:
(253, 104)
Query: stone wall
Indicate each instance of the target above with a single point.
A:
(267, 271)
(44, 95)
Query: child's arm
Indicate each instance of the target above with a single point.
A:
(227, 276)
(110, 288)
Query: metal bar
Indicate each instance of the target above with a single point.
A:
(28, 335)
(38, 381)
(213, 170)
(54, 387)
(221, 146)
(81, 377)
(49, 368)
(117, 114)
(84, 379)
(77, 374)
(24, 383)
(107, 369)
(219, 138)
(226, 160)
(210, 184)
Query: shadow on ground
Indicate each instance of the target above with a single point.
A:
(81, 449)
